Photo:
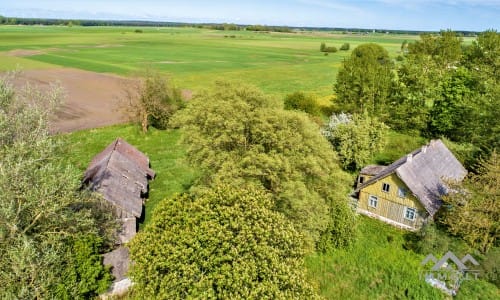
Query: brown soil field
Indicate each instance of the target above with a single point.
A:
(92, 99)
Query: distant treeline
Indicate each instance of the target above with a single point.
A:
(216, 26)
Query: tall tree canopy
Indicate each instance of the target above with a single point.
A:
(222, 243)
(472, 210)
(365, 81)
(50, 234)
(236, 134)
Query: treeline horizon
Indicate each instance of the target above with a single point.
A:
(217, 26)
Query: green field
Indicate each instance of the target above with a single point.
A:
(278, 63)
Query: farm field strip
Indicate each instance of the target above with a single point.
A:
(279, 63)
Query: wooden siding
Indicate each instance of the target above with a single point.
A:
(390, 205)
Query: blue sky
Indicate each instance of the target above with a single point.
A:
(473, 15)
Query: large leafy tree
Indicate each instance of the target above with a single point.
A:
(50, 234)
(472, 210)
(365, 81)
(223, 243)
(237, 134)
(427, 62)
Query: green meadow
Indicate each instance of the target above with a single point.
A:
(278, 63)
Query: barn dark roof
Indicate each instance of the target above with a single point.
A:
(120, 173)
(372, 170)
(425, 171)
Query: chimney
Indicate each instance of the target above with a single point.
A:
(409, 157)
(424, 148)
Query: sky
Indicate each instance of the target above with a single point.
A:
(431, 15)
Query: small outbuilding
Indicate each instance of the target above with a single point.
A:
(408, 192)
(120, 173)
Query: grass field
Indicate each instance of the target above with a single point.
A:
(378, 267)
(279, 63)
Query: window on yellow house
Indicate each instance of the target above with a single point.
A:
(372, 201)
(410, 213)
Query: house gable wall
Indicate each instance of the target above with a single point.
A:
(390, 205)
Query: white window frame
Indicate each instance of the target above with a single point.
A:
(373, 199)
(414, 212)
(361, 179)
(386, 185)
(402, 192)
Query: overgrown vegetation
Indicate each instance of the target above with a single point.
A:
(270, 191)
(51, 234)
(440, 88)
(222, 243)
(472, 210)
(303, 102)
(356, 138)
(236, 134)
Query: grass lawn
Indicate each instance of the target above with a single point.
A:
(167, 156)
(278, 63)
(378, 267)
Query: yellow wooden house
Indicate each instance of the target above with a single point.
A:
(408, 192)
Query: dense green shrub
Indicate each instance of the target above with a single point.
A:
(223, 243)
(327, 49)
(355, 138)
(345, 47)
(303, 102)
(330, 49)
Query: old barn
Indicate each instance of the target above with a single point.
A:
(120, 173)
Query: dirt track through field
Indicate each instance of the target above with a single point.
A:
(92, 99)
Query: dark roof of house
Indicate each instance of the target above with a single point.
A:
(425, 172)
(120, 173)
(372, 170)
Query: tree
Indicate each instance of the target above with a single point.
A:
(472, 210)
(154, 101)
(427, 62)
(364, 81)
(223, 243)
(43, 216)
(482, 60)
(454, 113)
(355, 138)
(237, 134)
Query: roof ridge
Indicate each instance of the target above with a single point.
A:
(115, 143)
